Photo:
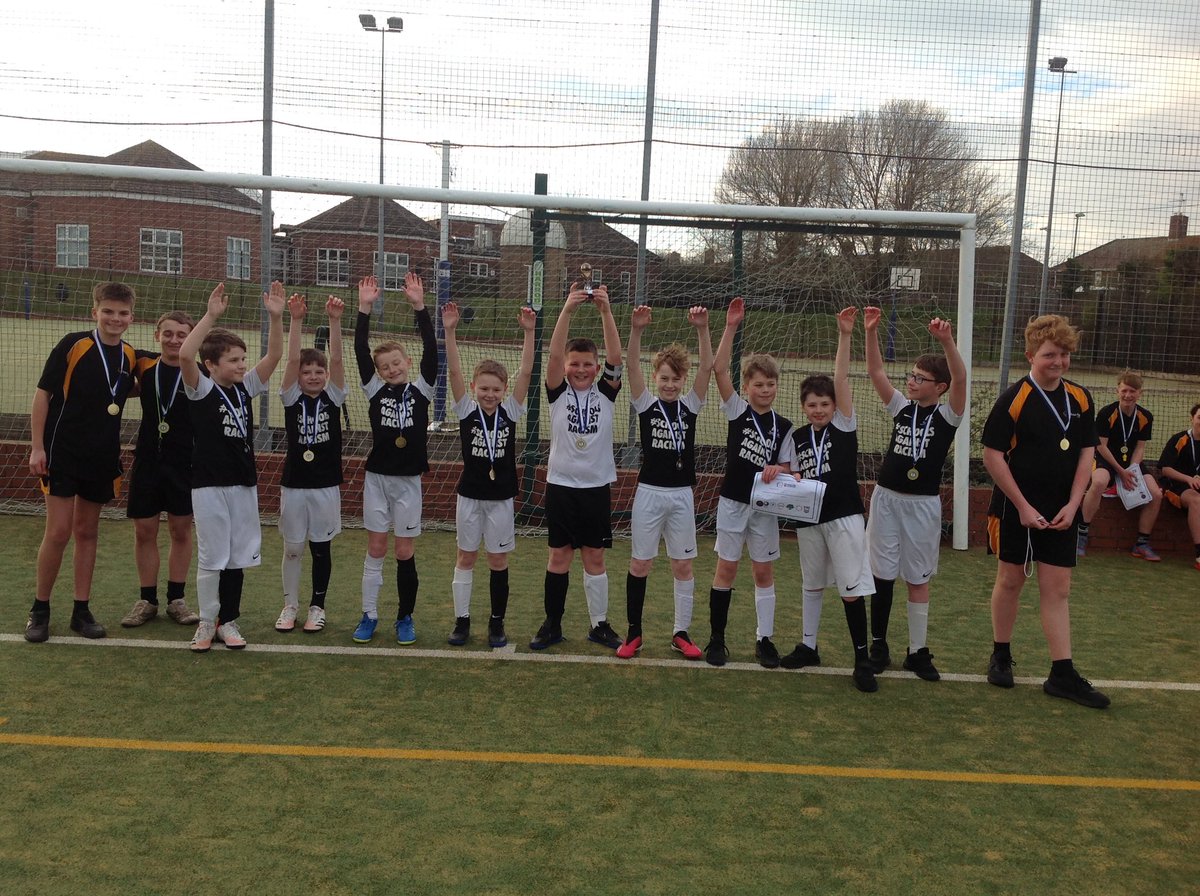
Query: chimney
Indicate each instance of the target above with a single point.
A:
(1178, 229)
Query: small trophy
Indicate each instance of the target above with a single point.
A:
(585, 277)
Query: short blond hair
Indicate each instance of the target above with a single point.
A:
(760, 363)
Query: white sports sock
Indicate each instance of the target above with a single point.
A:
(595, 589)
(918, 625)
(811, 615)
(372, 581)
(685, 591)
(292, 552)
(464, 579)
(208, 594)
(764, 609)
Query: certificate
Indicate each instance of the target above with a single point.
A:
(1136, 496)
(796, 499)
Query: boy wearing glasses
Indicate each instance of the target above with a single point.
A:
(904, 527)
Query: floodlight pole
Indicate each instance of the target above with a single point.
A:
(263, 434)
(394, 25)
(1058, 64)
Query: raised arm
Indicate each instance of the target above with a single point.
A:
(879, 378)
(558, 339)
(189, 367)
(733, 318)
(450, 318)
(368, 295)
(414, 291)
(956, 397)
(334, 307)
(520, 389)
(612, 339)
(297, 307)
(698, 318)
(638, 321)
(841, 364)
(274, 301)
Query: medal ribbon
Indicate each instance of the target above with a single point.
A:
(819, 450)
(919, 451)
(304, 431)
(403, 405)
(1066, 400)
(582, 412)
(163, 410)
(112, 387)
(677, 437)
(238, 414)
(769, 446)
(1125, 436)
(492, 439)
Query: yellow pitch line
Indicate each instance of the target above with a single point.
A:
(574, 759)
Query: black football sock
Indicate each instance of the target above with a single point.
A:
(149, 593)
(635, 600)
(406, 587)
(856, 621)
(718, 610)
(498, 592)
(556, 596)
(881, 608)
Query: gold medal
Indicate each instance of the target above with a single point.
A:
(114, 409)
(492, 473)
(309, 456)
(581, 443)
(1064, 444)
(164, 427)
(1124, 454)
(401, 441)
(914, 474)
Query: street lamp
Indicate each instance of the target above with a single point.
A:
(1075, 241)
(395, 24)
(1058, 64)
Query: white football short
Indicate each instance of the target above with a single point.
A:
(738, 526)
(664, 513)
(228, 535)
(904, 533)
(310, 514)
(392, 503)
(490, 523)
(835, 553)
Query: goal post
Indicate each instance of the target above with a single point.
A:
(792, 316)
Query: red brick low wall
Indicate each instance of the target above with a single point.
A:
(1112, 530)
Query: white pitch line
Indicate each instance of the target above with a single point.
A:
(510, 654)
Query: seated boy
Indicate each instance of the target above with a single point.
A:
(161, 477)
(224, 475)
(310, 496)
(75, 433)
(1179, 469)
(484, 513)
(582, 467)
(1124, 428)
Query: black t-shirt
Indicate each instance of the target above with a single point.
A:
(668, 431)
(223, 430)
(1123, 432)
(163, 400)
(1181, 453)
(931, 440)
(476, 432)
(312, 423)
(81, 438)
(1024, 426)
(837, 446)
(753, 441)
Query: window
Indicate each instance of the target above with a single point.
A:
(237, 258)
(484, 237)
(333, 267)
(597, 276)
(478, 269)
(625, 280)
(71, 245)
(395, 266)
(162, 251)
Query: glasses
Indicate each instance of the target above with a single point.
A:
(919, 380)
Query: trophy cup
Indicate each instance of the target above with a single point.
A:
(585, 277)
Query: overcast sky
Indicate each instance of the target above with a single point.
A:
(559, 87)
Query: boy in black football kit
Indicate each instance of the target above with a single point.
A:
(1038, 444)
(664, 506)
(224, 475)
(1179, 468)
(904, 527)
(310, 499)
(757, 439)
(484, 512)
(582, 468)
(75, 431)
(161, 477)
(1123, 427)
(399, 411)
(833, 551)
